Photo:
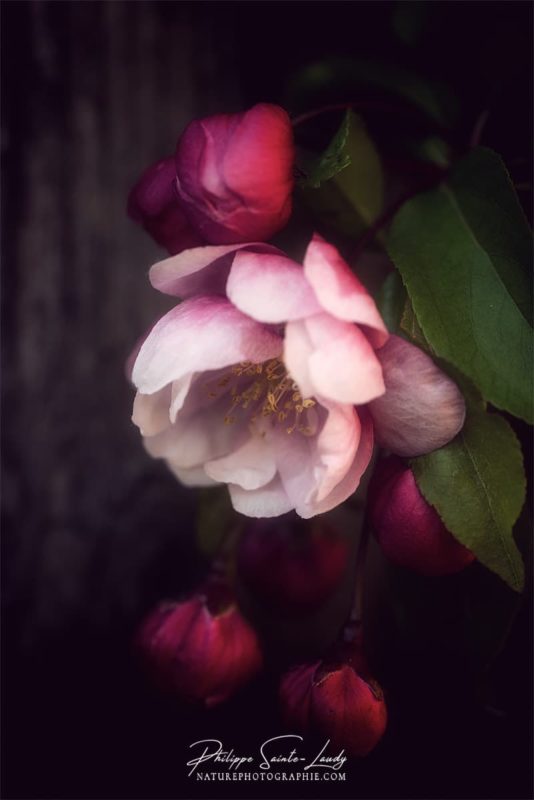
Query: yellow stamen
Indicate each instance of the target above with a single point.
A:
(270, 393)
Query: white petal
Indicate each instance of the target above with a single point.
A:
(268, 501)
(250, 466)
(191, 477)
(151, 411)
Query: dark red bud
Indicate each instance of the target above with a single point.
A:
(407, 528)
(338, 700)
(290, 566)
(201, 649)
(153, 203)
(235, 174)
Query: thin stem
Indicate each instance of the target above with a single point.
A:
(318, 111)
(221, 561)
(356, 615)
(368, 105)
(354, 627)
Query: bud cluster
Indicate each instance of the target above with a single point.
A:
(276, 378)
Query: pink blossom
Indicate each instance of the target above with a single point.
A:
(230, 181)
(271, 377)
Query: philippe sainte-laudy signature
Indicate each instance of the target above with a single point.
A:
(276, 752)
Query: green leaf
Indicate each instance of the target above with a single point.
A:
(464, 252)
(391, 301)
(362, 182)
(346, 187)
(411, 329)
(339, 78)
(335, 158)
(433, 150)
(477, 485)
(330, 208)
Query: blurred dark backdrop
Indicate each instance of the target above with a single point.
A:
(94, 532)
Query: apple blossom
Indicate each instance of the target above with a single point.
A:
(231, 180)
(407, 528)
(266, 377)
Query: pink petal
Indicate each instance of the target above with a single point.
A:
(422, 408)
(340, 292)
(258, 163)
(337, 445)
(312, 468)
(298, 349)
(250, 466)
(346, 487)
(343, 366)
(270, 288)
(268, 501)
(200, 270)
(204, 333)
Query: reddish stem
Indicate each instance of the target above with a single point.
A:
(366, 105)
(356, 614)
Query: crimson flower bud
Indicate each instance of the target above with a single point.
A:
(290, 567)
(407, 528)
(153, 203)
(201, 649)
(235, 174)
(336, 699)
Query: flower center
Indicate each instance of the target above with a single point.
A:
(266, 391)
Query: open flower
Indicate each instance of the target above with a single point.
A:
(230, 181)
(267, 375)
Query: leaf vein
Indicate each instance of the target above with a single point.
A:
(502, 539)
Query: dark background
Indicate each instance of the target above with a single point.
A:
(94, 532)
